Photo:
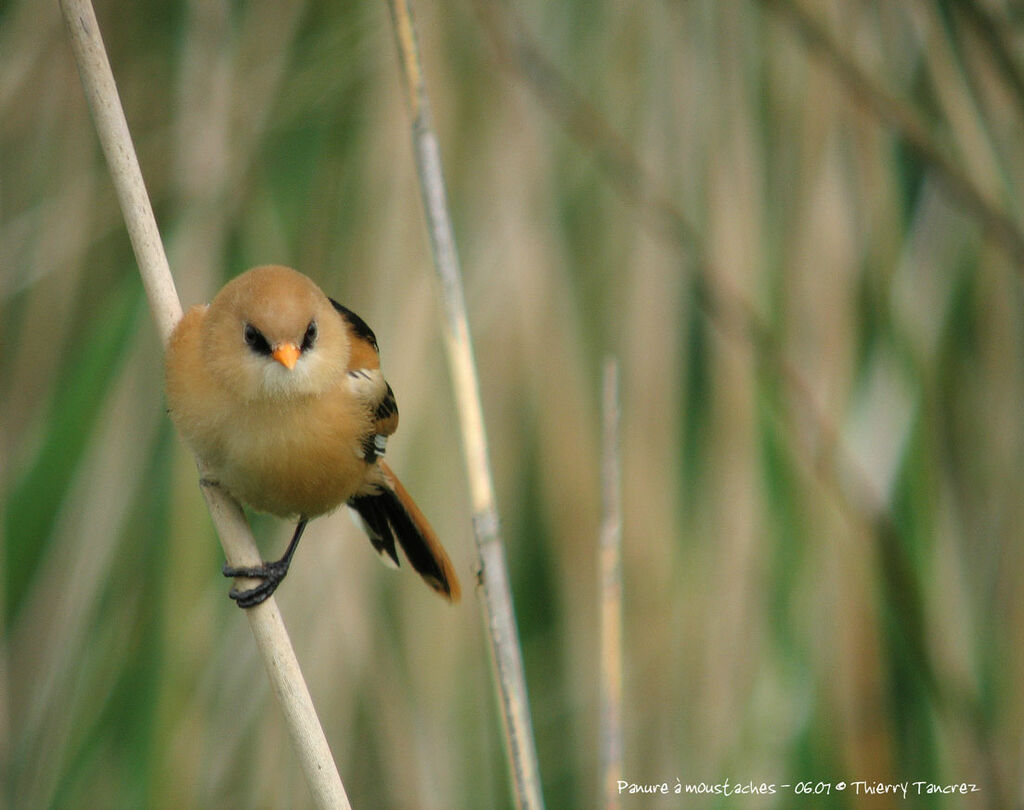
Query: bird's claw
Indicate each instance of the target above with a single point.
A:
(271, 573)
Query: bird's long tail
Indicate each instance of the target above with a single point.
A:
(392, 514)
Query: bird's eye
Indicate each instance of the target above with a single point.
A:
(310, 337)
(254, 339)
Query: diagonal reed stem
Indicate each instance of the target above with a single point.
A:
(907, 126)
(268, 628)
(495, 591)
(999, 48)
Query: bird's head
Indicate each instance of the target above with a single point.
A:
(271, 333)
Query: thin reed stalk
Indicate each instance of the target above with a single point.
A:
(610, 589)
(239, 547)
(495, 591)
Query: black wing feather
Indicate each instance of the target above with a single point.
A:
(359, 326)
(386, 519)
(388, 407)
(374, 513)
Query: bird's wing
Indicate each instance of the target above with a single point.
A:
(365, 353)
(391, 514)
(367, 381)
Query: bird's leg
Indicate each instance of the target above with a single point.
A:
(270, 572)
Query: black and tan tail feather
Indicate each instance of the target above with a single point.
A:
(391, 514)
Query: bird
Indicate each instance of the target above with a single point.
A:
(278, 391)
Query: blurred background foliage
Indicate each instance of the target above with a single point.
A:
(797, 225)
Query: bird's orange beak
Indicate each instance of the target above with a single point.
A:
(286, 354)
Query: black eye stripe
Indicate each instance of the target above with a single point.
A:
(254, 339)
(310, 337)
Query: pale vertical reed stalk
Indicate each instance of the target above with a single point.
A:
(610, 590)
(494, 589)
(308, 738)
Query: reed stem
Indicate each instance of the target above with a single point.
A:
(239, 547)
(495, 591)
(610, 589)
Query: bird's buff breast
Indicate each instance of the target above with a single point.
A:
(292, 457)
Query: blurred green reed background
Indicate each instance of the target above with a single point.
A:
(756, 209)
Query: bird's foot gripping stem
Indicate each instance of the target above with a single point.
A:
(272, 573)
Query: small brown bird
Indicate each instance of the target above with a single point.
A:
(278, 390)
